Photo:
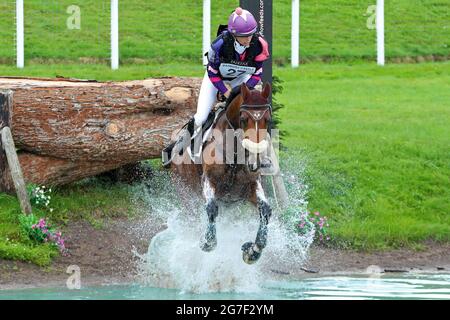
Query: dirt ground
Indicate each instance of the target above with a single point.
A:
(106, 256)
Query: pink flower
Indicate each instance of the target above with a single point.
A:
(316, 213)
(41, 223)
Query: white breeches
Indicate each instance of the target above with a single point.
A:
(207, 96)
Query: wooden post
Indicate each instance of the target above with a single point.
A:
(8, 153)
(279, 188)
(5, 121)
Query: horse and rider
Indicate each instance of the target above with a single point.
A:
(240, 131)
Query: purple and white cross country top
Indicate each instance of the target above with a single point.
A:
(225, 63)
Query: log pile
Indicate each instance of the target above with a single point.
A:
(66, 130)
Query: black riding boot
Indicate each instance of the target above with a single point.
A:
(167, 151)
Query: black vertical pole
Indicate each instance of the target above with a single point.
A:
(262, 10)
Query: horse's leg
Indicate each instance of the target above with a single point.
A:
(252, 251)
(209, 243)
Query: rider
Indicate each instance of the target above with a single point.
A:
(236, 56)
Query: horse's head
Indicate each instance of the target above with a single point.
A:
(255, 116)
(251, 112)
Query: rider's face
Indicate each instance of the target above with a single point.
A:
(245, 41)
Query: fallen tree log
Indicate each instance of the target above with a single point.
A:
(70, 129)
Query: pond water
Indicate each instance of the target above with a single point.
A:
(384, 286)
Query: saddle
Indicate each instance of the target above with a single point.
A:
(215, 114)
(180, 146)
(217, 111)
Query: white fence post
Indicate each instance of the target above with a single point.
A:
(19, 34)
(114, 34)
(380, 33)
(206, 29)
(295, 33)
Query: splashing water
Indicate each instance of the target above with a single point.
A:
(175, 260)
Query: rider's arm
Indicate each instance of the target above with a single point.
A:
(213, 65)
(215, 78)
(259, 60)
(256, 77)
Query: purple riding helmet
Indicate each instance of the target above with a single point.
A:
(242, 23)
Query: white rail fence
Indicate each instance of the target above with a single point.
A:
(299, 34)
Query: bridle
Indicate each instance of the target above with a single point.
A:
(256, 112)
(256, 115)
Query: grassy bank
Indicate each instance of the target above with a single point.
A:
(376, 141)
(90, 200)
(168, 30)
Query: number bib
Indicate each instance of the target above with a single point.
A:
(228, 70)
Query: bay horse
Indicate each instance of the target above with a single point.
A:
(243, 125)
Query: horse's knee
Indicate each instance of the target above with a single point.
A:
(212, 209)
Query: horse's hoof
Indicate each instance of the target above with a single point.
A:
(208, 246)
(250, 252)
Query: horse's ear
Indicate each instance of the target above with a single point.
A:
(245, 92)
(266, 90)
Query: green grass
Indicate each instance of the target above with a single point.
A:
(377, 142)
(169, 30)
(103, 72)
(376, 138)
